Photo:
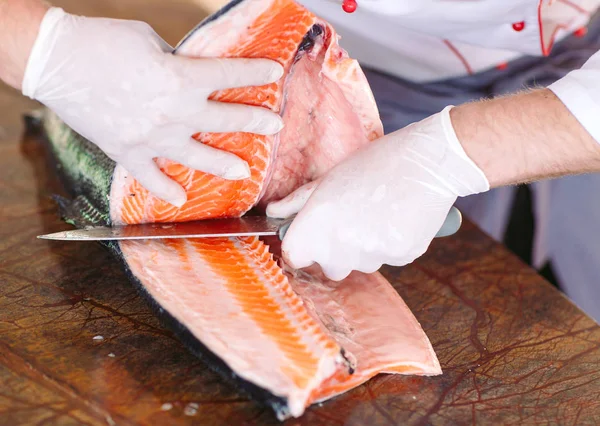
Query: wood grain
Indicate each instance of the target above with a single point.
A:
(78, 346)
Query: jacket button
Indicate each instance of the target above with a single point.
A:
(519, 26)
(349, 6)
(502, 66)
(581, 32)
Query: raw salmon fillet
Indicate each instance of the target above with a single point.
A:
(291, 337)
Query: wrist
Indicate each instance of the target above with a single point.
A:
(466, 121)
(19, 25)
(466, 175)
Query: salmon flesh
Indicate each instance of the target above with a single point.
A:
(289, 337)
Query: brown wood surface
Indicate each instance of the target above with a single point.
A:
(513, 349)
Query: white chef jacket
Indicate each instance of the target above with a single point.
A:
(580, 92)
(431, 40)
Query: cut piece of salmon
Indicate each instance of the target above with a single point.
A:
(324, 98)
(255, 29)
(293, 337)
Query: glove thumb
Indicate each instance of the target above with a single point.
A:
(293, 203)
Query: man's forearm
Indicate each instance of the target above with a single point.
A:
(525, 137)
(19, 24)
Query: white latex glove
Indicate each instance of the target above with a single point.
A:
(118, 84)
(382, 205)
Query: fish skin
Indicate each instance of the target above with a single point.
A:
(86, 172)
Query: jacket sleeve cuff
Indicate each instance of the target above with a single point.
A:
(578, 99)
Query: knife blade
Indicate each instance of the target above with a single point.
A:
(247, 226)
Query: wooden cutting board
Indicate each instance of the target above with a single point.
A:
(78, 346)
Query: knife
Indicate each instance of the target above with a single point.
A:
(247, 226)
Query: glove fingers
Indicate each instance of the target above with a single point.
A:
(226, 73)
(370, 268)
(224, 117)
(296, 259)
(293, 203)
(336, 273)
(149, 175)
(339, 260)
(210, 160)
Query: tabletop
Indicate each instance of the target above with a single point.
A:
(78, 346)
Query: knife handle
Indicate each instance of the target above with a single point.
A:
(451, 224)
(450, 227)
(285, 226)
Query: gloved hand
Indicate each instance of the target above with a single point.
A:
(117, 84)
(382, 205)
